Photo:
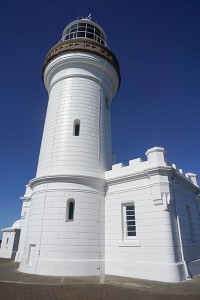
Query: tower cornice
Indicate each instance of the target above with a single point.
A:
(81, 45)
(92, 181)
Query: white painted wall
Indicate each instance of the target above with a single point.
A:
(7, 244)
(10, 240)
(79, 84)
(155, 251)
(24, 222)
(64, 247)
(75, 92)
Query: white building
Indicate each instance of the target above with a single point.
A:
(81, 216)
(10, 241)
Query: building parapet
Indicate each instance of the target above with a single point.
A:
(156, 157)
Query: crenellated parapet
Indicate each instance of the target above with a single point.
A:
(156, 160)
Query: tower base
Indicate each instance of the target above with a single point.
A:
(61, 267)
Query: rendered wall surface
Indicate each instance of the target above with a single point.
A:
(80, 86)
(75, 94)
(9, 243)
(189, 216)
(24, 220)
(155, 251)
(64, 247)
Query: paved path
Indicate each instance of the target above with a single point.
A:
(15, 285)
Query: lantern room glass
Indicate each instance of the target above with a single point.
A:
(84, 29)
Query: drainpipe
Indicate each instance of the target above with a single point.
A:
(179, 231)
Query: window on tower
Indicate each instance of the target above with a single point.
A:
(70, 210)
(76, 127)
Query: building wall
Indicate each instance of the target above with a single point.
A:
(9, 243)
(24, 219)
(75, 93)
(189, 216)
(57, 246)
(155, 252)
(80, 86)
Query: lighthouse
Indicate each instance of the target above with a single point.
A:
(65, 232)
(82, 215)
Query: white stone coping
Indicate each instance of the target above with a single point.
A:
(156, 162)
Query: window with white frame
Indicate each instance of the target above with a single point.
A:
(129, 225)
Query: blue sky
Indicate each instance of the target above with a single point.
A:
(157, 43)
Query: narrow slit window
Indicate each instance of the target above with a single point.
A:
(77, 127)
(70, 210)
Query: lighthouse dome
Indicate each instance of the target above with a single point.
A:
(17, 224)
(85, 28)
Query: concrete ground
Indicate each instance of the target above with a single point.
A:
(20, 286)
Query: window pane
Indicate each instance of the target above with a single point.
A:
(97, 35)
(77, 129)
(131, 228)
(71, 211)
(81, 24)
(81, 34)
(131, 233)
(130, 208)
(89, 35)
(91, 30)
(130, 223)
(74, 26)
(81, 28)
(97, 31)
(129, 218)
(72, 30)
(90, 26)
(130, 212)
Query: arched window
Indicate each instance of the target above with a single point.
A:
(70, 210)
(76, 127)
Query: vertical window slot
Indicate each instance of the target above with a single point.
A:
(70, 210)
(76, 127)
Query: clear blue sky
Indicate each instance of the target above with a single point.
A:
(157, 43)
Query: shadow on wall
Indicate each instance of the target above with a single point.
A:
(16, 243)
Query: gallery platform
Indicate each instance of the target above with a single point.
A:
(16, 285)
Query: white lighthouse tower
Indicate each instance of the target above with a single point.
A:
(65, 231)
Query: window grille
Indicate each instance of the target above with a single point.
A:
(128, 222)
